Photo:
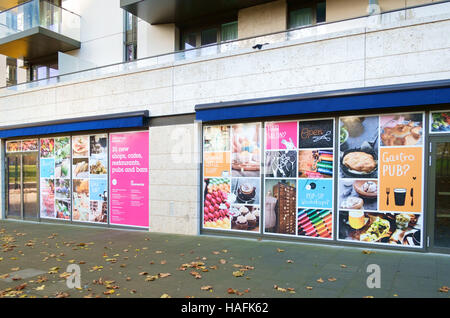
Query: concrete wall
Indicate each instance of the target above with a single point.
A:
(396, 48)
(101, 30)
(262, 19)
(155, 39)
(3, 70)
(174, 179)
(345, 9)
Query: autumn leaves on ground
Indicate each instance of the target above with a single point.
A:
(34, 260)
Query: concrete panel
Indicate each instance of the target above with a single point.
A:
(262, 19)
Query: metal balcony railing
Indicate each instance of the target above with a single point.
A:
(39, 13)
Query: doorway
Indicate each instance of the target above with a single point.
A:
(439, 194)
(22, 186)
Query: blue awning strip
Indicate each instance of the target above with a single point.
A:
(112, 123)
(371, 101)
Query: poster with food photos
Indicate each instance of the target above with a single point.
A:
(440, 122)
(14, 146)
(55, 176)
(381, 164)
(90, 178)
(298, 172)
(315, 187)
(231, 177)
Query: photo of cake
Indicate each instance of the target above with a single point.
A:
(246, 149)
(245, 217)
(246, 190)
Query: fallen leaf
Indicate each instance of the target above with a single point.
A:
(216, 252)
(279, 250)
(21, 286)
(238, 274)
(195, 274)
(320, 280)
(343, 266)
(143, 273)
(289, 261)
(368, 252)
(309, 287)
(222, 261)
(206, 288)
(151, 278)
(62, 295)
(40, 287)
(331, 279)
(165, 296)
(109, 292)
(164, 275)
(231, 291)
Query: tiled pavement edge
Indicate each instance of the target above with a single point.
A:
(136, 264)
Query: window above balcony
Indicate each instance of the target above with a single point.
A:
(38, 28)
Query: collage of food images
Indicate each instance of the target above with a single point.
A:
(439, 122)
(298, 171)
(380, 178)
(90, 168)
(27, 145)
(232, 160)
(55, 178)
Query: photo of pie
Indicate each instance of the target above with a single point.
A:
(358, 150)
(359, 162)
(401, 135)
(401, 130)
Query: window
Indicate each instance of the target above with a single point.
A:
(306, 13)
(130, 37)
(42, 71)
(11, 71)
(216, 33)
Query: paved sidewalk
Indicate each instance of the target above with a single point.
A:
(122, 263)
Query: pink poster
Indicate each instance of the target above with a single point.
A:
(129, 179)
(281, 135)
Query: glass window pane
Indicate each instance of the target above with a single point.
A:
(189, 41)
(321, 12)
(229, 31)
(209, 36)
(300, 17)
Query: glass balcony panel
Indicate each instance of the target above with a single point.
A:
(41, 13)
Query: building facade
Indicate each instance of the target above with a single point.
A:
(316, 121)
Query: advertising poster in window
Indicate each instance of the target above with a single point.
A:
(381, 179)
(232, 183)
(315, 199)
(440, 122)
(298, 172)
(14, 146)
(129, 179)
(54, 176)
(90, 178)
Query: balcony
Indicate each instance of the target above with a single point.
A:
(36, 29)
(180, 11)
